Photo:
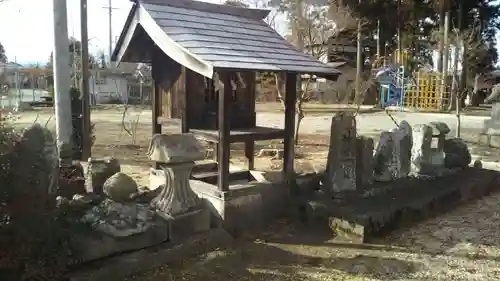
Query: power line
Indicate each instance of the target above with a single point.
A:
(110, 14)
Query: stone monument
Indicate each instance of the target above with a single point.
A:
(364, 161)
(383, 158)
(428, 155)
(393, 154)
(177, 202)
(341, 165)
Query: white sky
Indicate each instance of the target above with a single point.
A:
(26, 26)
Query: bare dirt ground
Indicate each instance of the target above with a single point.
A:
(460, 245)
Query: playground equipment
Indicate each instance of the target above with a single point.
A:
(420, 91)
(392, 81)
(425, 93)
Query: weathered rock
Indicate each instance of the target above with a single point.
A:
(392, 159)
(421, 153)
(98, 171)
(439, 128)
(120, 187)
(119, 219)
(457, 153)
(177, 148)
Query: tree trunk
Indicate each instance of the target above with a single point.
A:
(458, 110)
(379, 41)
(475, 92)
(446, 52)
(454, 95)
(441, 38)
(300, 116)
(359, 57)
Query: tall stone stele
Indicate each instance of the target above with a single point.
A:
(341, 167)
(176, 155)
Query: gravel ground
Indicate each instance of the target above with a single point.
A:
(460, 245)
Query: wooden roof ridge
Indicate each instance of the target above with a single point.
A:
(205, 37)
(256, 14)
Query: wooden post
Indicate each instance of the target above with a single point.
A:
(185, 99)
(289, 147)
(249, 153)
(224, 116)
(156, 96)
(156, 108)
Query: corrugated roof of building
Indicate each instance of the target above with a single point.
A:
(226, 37)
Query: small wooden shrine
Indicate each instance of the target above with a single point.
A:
(204, 60)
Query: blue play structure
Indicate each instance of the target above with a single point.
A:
(392, 83)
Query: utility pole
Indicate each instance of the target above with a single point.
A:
(400, 47)
(84, 82)
(379, 51)
(110, 38)
(62, 72)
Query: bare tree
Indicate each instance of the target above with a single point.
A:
(315, 26)
(462, 40)
(131, 118)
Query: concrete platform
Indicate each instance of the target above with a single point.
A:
(118, 268)
(358, 217)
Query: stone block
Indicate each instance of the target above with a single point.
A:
(183, 226)
(100, 245)
(175, 148)
(98, 171)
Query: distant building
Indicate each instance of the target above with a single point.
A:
(120, 85)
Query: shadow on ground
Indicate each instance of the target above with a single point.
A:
(260, 261)
(266, 258)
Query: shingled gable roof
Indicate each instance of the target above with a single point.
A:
(205, 37)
